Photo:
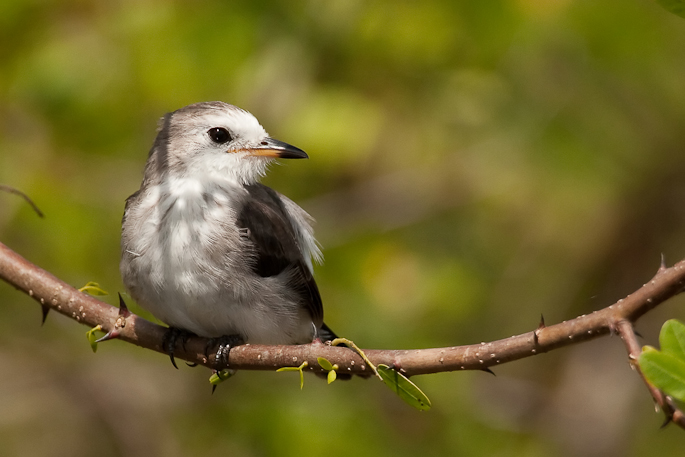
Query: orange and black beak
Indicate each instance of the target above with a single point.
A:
(277, 149)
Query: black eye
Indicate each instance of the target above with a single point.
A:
(219, 135)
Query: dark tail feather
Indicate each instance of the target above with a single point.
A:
(326, 334)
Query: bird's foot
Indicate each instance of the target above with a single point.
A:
(171, 337)
(224, 345)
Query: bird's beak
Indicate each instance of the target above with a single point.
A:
(277, 149)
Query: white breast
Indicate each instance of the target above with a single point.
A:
(183, 259)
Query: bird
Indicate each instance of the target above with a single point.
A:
(209, 250)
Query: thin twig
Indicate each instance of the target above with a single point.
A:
(351, 344)
(12, 190)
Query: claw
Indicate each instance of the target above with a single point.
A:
(169, 344)
(171, 337)
(210, 343)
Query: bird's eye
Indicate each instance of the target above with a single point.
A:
(219, 135)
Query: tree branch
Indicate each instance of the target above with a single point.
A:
(51, 292)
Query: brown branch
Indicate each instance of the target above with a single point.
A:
(63, 298)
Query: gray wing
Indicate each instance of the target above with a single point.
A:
(276, 243)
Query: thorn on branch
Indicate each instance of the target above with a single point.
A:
(119, 324)
(667, 421)
(112, 334)
(488, 370)
(123, 309)
(662, 267)
(671, 410)
(45, 309)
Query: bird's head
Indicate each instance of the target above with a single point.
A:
(215, 139)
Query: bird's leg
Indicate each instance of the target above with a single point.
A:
(171, 337)
(224, 345)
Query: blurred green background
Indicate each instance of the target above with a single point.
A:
(473, 165)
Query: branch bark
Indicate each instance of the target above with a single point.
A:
(51, 292)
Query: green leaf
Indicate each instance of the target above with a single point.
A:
(676, 7)
(90, 334)
(332, 376)
(93, 288)
(300, 369)
(404, 388)
(324, 363)
(672, 338)
(664, 370)
(220, 376)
